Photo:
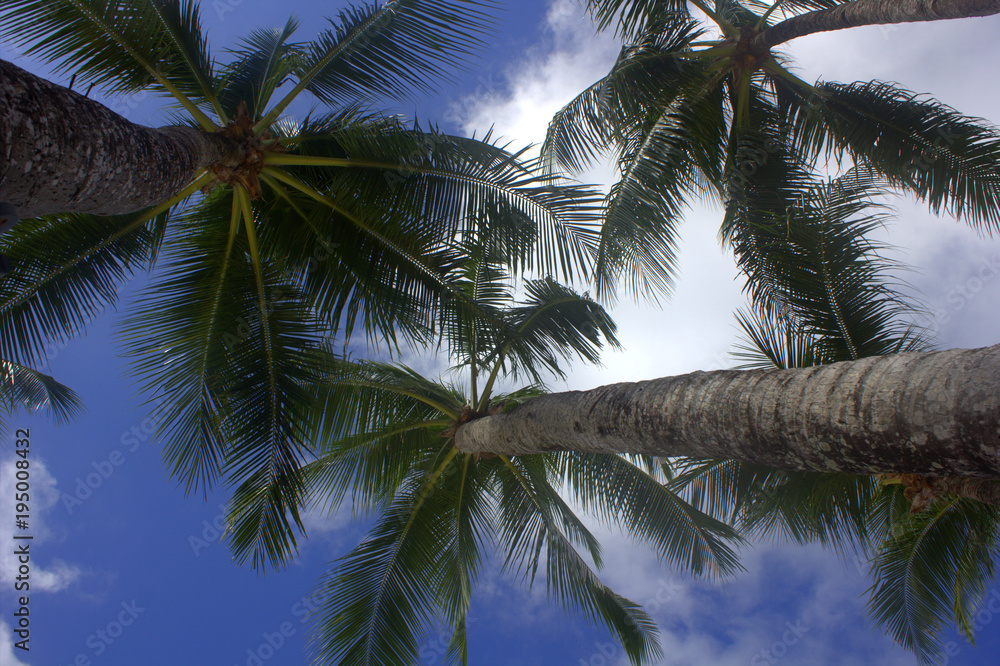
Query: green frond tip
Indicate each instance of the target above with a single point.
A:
(22, 388)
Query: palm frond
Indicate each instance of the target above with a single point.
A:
(553, 323)
(373, 423)
(460, 185)
(263, 63)
(621, 493)
(649, 75)
(382, 51)
(950, 160)
(383, 593)
(529, 523)
(935, 569)
(633, 17)
(224, 350)
(816, 270)
(120, 47)
(30, 390)
(772, 338)
(69, 269)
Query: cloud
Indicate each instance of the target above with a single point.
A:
(694, 328)
(43, 496)
(7, 656)
(571, 58)
(798, 605)
(950, 265)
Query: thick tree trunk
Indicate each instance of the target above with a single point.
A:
(934, 414)
(872, 12)
(62, 152)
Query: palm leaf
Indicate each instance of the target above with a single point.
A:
(530, 522)
(380, 596)
(69, 269)
(263, 63)
(619, 492)
(373, 423)
(24, 388)
(391, 49)
(121, 47)
(919, 144)
(936, 567)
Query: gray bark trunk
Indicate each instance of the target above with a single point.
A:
(62, 152)
(935, 414)
(872, 12)
(981, 490)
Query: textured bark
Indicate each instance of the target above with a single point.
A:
(62, 152)
(936, 414)
(872, 12)
(981, 490)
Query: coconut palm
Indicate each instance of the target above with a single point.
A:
(689, 116)
(271, 233)
(385, 442)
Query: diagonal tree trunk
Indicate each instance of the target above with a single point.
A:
(934, 414)
(871, 12)
(61, 152)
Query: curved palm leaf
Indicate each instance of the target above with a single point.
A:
(24, 388)
(402, 45)
(69, 269)
(383, 593)
(919, 144)
(262, 65)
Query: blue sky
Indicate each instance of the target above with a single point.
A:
(127, 570)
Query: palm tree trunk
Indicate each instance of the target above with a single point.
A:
(935, 414)
(62, 152)
(981, 490)
(871, 12)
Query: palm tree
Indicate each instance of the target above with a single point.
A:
(385, 440)
(687, 116)
(821, 293)
(272, 234)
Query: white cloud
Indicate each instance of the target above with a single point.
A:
(693, 329)
(7, 656)
(955, 272)
(43, 495)
(545, 80)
